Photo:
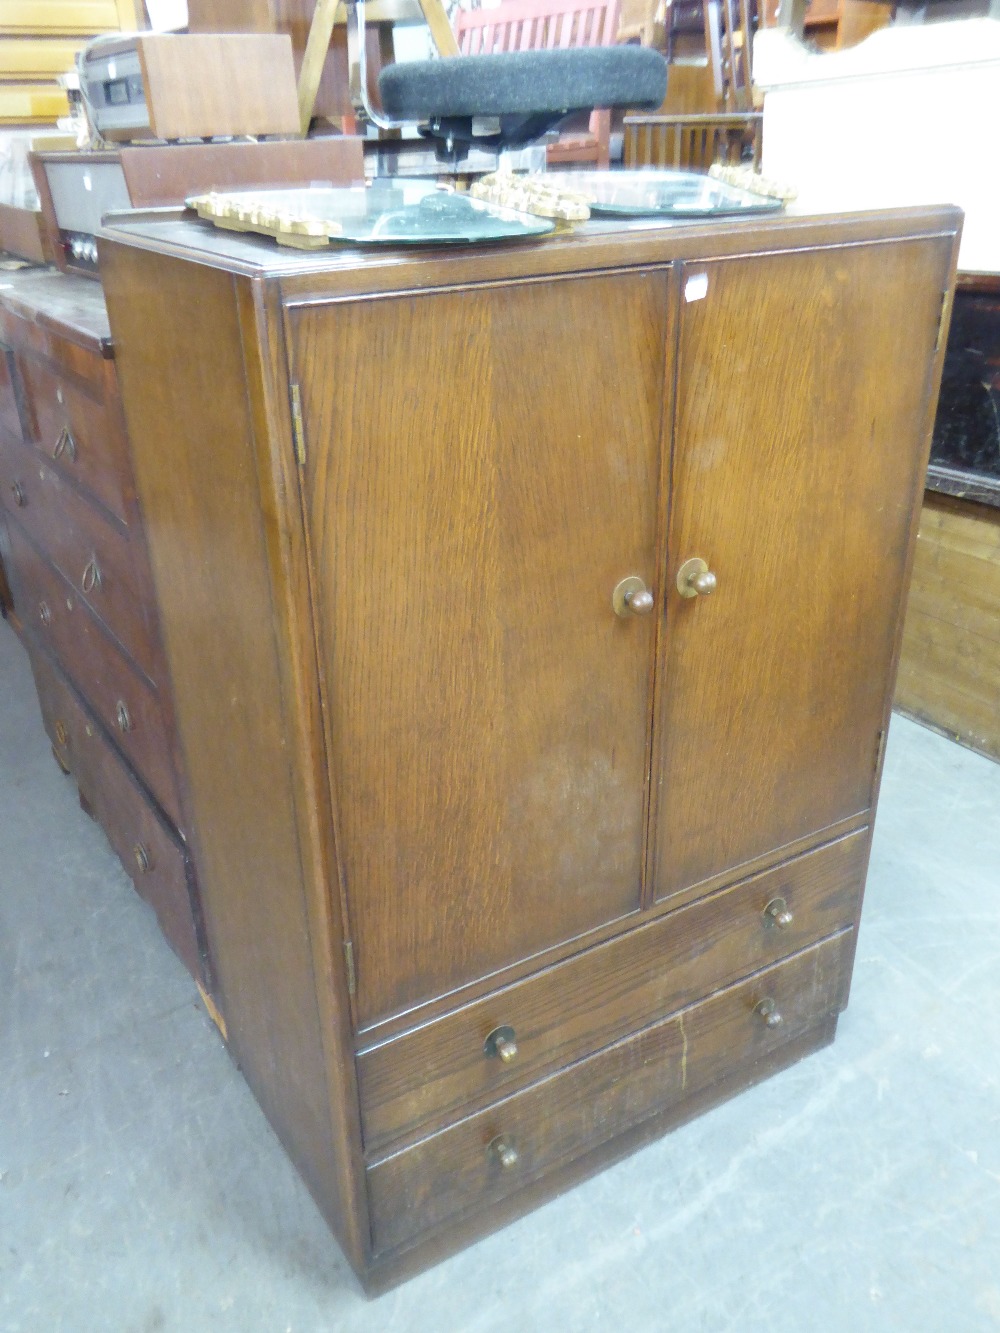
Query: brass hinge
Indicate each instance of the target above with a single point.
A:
(943, 317)
(297, 427)
(880, 749)
(352, 976)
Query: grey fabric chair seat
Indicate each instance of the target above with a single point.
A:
(524, 83)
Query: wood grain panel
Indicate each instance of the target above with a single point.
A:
(949, 670)
(567, 1115)
(193, 448)
(479, 479)
(600, 995)
(799, 449)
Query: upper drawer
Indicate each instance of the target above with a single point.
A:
(92, 553)
(80, 433)
(126, 704)
(507, 1146)
(574, 1008)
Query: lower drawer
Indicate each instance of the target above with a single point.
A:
(497, 1151)
(556, 1016)
(151, 854)
(124, 701)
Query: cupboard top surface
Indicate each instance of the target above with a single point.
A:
(596, 244)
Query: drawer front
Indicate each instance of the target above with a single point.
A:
(94, 556)
(126, 705)
(152, 856)
(80, 433)
(569, 1010)
(565, 1116)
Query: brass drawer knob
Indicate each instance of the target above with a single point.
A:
(631, 597)
(503, 1149)
(502, 1043)
(17, 490)
(62, 735)
(44, 614)
(695, 579)
(141, 857)
(769, 1012)
(91, 577)
(122, 716)
(65, 445)
(779, 912)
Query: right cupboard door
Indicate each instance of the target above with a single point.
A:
(803, 391)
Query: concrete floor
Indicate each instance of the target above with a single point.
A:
(141, 1189)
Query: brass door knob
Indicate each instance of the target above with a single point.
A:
(141, 857)
(501, 1043)
(779, 912)
(632, 598)
(504, 1151)
(62, 735)
(769, 1012)
(695, 579)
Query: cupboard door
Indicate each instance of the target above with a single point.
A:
(482, 470)
(798, 458)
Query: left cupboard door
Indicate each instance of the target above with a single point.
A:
(482, 470)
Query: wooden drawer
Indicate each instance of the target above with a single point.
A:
(126, 704)
(79, 433)
(589, 1103)
(93, 554)
(151, 854)
(569, 1010)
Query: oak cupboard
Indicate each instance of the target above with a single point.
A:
(532, 614)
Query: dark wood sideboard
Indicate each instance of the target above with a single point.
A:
(498, 882)
(74, 545)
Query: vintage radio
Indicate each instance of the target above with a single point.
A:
(78, 188)
(144, 86)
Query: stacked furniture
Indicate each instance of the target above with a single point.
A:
(75, 549)
(38, 42)
(532, 615)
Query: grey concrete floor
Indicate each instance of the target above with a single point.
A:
(141, 1188)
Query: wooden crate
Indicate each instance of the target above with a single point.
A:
(949, 671)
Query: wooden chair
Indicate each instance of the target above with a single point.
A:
(692, 142)
(729, 29)
(539, 25)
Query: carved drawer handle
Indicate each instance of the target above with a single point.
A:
(91, 577)
(65, 445)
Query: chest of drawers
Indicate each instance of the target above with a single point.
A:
(76, 549)
(532, 614)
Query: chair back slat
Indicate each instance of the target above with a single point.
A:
(537, 25)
